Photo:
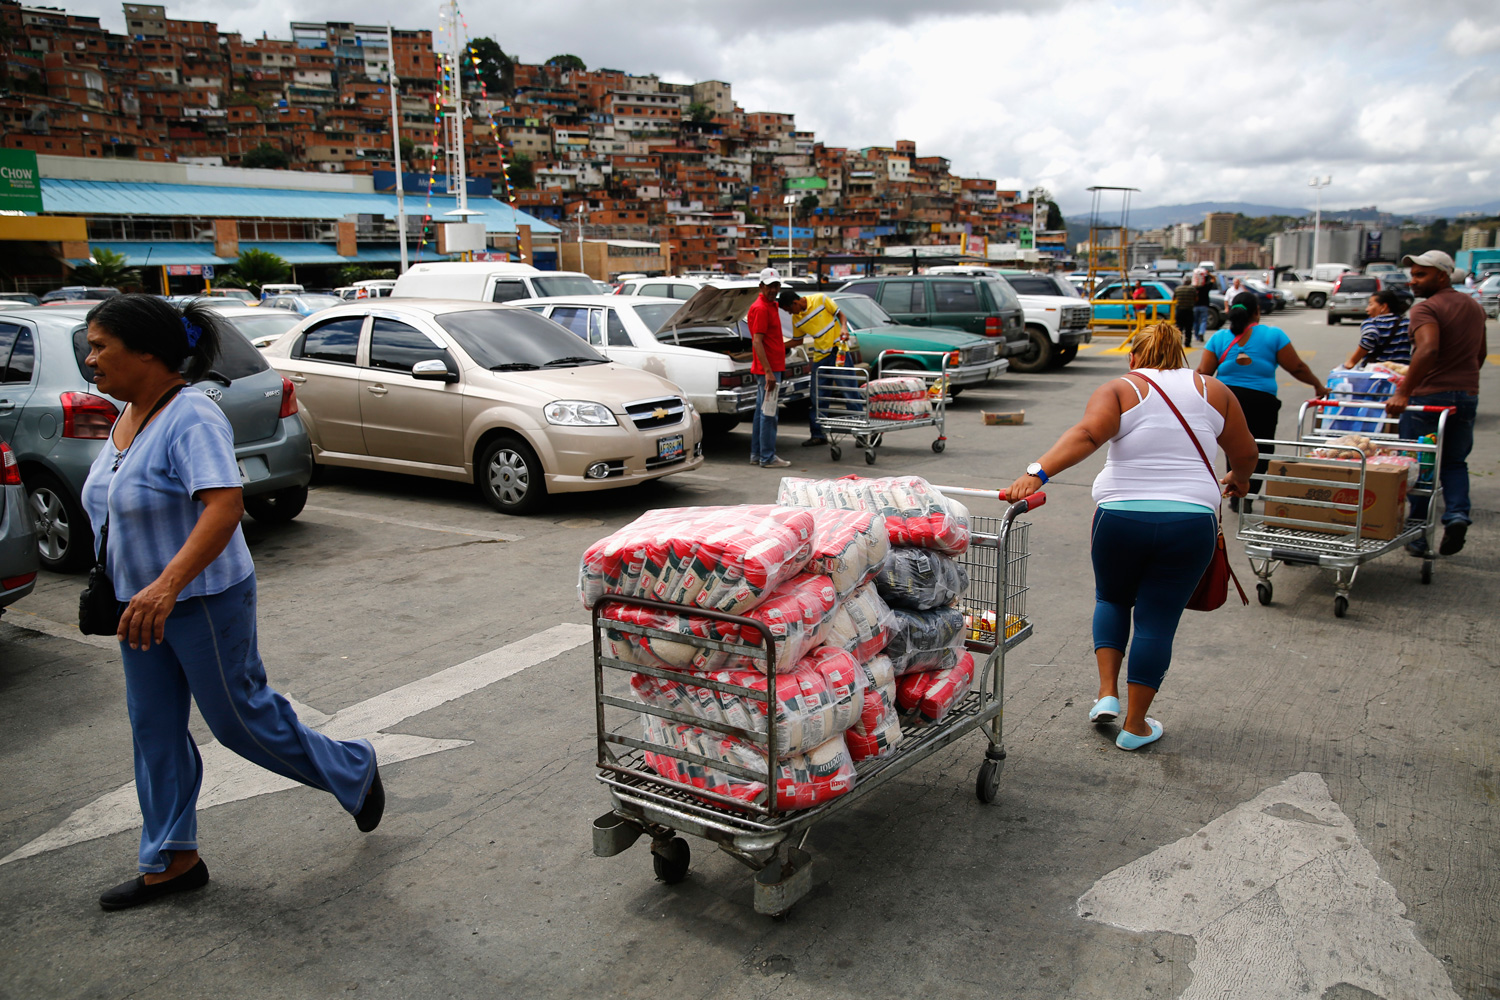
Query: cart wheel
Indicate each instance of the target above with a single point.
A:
(939, 445)
(877, 440)
(1263, 592)
(671, 859)
(988, 784)
(869, 456)
(1426, 570)
(835, 452)
(1340, 606)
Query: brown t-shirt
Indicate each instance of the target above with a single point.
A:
(1461, 342)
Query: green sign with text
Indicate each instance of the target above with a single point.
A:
(20, 181)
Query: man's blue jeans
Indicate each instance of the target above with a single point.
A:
(762, 427)
(1200, 322)
(1458, 440)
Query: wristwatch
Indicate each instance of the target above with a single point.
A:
(1035, 469)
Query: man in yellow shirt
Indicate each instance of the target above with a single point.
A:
(818, 323)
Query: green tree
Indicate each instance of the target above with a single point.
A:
(496, 69)
(108, 270)
(520, 172)
(350, 273)
(566, 64)
(808, 203)
(1055, 220)
(257, 267)
(266, 155)
(700, 112)
(408, 150)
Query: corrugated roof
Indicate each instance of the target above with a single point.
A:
(166, 252)
(82, 197)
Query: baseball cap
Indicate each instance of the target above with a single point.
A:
(1432, 258)
(768, 276)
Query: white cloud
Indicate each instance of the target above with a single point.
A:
(1469, 38)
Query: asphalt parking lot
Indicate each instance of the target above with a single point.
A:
(1318, 821)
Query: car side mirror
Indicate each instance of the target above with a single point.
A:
(433, 370)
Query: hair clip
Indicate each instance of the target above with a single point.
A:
(192, 331)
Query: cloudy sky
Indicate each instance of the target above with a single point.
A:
(1213, 100)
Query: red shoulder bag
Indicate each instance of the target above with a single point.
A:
(1213, 589)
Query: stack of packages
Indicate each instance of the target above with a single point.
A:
(899, 398)
(921, 581)
(806, 577)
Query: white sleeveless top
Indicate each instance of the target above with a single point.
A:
(1151, 457)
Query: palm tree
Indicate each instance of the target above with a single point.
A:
(257, 267)
(108, 270)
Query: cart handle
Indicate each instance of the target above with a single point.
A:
(1030, 503)
(1374, 403)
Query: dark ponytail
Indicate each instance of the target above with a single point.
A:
(185, 340)
(1244, 311)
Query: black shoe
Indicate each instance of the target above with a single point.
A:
(1234, 504)
(1417, 550)
(814, 442)
(368, 817)
(137, 891)
(1453, 538)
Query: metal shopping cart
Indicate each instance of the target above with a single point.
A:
(761, 833)
(1316, 515)
(842, 401)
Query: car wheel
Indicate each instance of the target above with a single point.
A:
(64, 539)
(1038, 354)
(1334, 320)
(510, 476)
(900, 367)
(277, 506)
(1316, 300)
(1066, 354)
(1215, 318)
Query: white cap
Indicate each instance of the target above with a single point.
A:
(1432, 258)
(768, 276)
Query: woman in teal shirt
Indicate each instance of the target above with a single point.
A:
(1245, 357)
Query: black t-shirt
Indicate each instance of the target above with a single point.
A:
(1203, 292)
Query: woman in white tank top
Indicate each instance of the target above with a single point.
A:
(1156, 526)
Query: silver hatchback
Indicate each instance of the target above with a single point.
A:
(56, 423)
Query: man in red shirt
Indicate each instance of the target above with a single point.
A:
(768, 345)
(1448, 349)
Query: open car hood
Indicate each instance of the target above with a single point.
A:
(710, 307)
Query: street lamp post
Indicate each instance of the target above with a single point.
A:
(1318, 184)
(790, 201)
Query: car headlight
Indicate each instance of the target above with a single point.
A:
(579, 413)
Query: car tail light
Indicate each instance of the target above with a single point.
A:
(87, 416)
(12, 582)
(992, 326)
(288, 399)
(10, 469)
(734, 380)
(1337, 283)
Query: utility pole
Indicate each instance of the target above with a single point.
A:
(790, 201)
(395, 84)
(1319, 185)
(580, 237)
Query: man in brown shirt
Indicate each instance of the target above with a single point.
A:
(1448, 348)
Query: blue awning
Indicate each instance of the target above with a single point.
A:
(78, 197)
(143, 254)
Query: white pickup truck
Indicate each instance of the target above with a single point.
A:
(1305, 288)
(1057, 318)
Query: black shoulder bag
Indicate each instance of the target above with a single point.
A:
(98, 610)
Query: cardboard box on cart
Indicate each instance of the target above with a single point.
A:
(1384, 500)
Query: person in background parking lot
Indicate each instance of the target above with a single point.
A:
(1184, 309)
(1448, 349)
(1385, 336)
(166, 492)
(816, 317)
(1204, 283)
(768, 345)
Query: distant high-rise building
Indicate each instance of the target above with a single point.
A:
(1218, 227)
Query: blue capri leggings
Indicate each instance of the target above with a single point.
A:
(1151, 562)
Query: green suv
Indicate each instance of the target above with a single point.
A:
(983, 305)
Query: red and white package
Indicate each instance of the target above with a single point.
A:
(881, 673)
(931, 694)
(915, 513)
(892, 389)
(814, 703)
(861, 624)
(721, 558)
(849, 546)
(900, 409)
(878, 731)
(823, 773)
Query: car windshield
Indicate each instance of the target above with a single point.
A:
(1005, 297)
(271, 323)
(566, 284)
(656, 314)
(863, 312)
(1356, 286)
(1031, 284)
(1491, 284)
(320, 301)
(516, 340)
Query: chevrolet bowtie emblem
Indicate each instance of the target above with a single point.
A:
(659, 414)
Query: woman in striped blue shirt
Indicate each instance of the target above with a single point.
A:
(1384, 336)
(165, 493)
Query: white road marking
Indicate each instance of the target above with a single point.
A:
(46, 626)
(1283, 899)
(228, 777)
(448, 529)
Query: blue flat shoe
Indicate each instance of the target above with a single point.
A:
(1105, 710)
(1130, 741)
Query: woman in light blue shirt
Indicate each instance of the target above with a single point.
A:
(165, 495)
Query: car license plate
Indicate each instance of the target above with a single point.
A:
(669, 447)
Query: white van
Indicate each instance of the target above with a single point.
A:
(266, 291)
(1330, 272)
(488, 281)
